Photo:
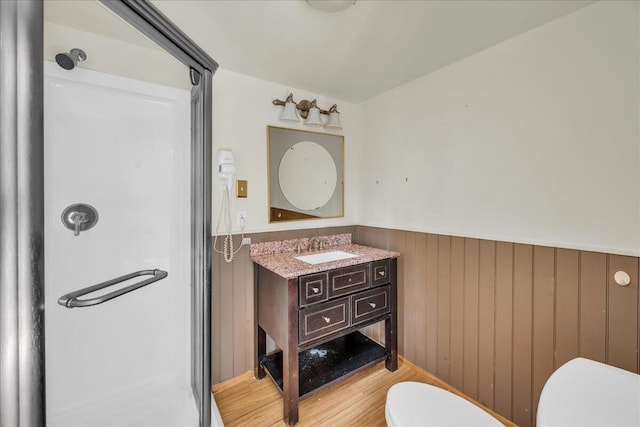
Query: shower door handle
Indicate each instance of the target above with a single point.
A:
(71, 300)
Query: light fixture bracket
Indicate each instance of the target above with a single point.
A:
(304, 106)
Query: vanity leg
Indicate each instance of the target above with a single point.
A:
(261, 350)
(260, 337)
(290, 386)
(391, 344)
(391, 323)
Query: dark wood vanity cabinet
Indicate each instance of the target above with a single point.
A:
(314, 320)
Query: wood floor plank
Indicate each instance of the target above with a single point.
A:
(356, 401)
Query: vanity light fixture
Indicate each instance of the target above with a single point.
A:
(313, 118)
(334, 118)
(309, 111)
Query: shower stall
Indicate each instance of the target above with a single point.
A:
(105, 218)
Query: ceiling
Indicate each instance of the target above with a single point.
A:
(360, 52)
(353, 55)
(93, 17)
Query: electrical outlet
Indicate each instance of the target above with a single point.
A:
(246, 241)
(242, 219)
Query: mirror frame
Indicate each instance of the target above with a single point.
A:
(275, 214)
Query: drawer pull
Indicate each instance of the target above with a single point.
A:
(349, 279)
(326, 319)
(381, 273)
(315, 290)
(372, 304)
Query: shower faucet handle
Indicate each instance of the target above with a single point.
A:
(79, 217)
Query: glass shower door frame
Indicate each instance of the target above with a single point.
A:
(150, 21)
(22, 329)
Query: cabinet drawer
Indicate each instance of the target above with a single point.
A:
(369, 304)
(347, 280)
(323, 319)
(380, 272)
(313, 289)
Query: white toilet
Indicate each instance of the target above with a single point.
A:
(583, 392)
(411, 404)
(579, 393)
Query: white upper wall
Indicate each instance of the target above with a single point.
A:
(242, 110)
(112, 56)
(535, 140)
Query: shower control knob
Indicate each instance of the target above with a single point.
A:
(79, 217)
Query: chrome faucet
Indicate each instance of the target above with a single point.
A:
(313, 243)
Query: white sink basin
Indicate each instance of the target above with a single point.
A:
(326, 257)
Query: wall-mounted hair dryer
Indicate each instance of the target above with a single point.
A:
(226, 168)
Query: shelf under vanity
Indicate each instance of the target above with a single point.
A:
(327, 363)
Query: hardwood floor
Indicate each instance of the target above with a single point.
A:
(357, 401)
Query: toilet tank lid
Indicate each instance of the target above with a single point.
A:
(586, 392)
(417, 404)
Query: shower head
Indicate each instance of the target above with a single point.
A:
(69, 60)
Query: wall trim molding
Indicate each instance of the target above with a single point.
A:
(507, 239)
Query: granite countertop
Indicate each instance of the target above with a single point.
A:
(279, 257)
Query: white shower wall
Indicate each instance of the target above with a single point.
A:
(122, 146)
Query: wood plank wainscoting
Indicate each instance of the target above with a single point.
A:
(493, 319)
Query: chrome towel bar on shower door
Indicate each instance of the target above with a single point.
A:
(71, 300)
